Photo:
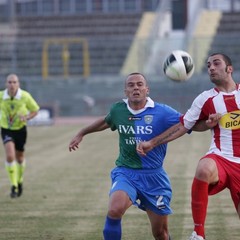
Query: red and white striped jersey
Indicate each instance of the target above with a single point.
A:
(226, 134)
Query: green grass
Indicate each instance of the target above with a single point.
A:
(66, 194)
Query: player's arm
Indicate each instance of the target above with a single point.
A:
(170, 134)
(204, 125)
(29, 116)
(175, 132)
(31, 106)
(99, 125)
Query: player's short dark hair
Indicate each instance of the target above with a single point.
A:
(226, 58)
(136, 73)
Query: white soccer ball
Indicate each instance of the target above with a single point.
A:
(178, 66)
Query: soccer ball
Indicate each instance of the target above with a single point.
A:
(178, 66)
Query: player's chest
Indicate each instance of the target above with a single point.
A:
(12, 105)
(226, 103)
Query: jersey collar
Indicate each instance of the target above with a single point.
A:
(149, 103)
(17, 96)
(237, 89)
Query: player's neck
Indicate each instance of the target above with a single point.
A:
(137, 105)
(227, 87)
(12, 94)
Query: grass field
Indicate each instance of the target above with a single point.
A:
(66, 194)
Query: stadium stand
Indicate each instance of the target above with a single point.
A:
(227, 36)
(139, 45)
(108, 35)
(7, 40)
(107, 26)
(203, 36)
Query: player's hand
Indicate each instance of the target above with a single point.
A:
(144, 147)
(23, 118)
(213, 120)
(73, 145)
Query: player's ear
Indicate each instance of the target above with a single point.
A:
(148, 91)
(229, 69)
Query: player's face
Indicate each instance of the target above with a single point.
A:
(218, 70)
(12, 85)
(136, 90)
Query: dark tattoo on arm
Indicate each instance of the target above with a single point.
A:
(169, 135)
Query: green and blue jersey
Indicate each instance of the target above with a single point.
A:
(136, 126)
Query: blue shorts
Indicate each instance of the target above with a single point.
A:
(147, 189)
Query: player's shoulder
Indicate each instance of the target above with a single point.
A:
(205, 96)
(159, 105)
(118, 104)
(162, 106)
(208, 93)
(25, 93)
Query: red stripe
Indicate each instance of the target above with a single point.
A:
(231, 105)
(208, 108)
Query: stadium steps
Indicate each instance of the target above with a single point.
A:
(109, 37)
(226, 39)
(7, 45)
(139, 44)
(203, 36)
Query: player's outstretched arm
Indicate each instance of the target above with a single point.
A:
(98, 125)
(170, 134)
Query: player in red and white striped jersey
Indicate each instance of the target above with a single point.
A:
(220, 167)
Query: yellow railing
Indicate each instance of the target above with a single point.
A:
(65, 55)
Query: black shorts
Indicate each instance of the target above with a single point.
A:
(19, 137)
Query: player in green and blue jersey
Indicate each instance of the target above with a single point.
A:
(17, 107)
(136, 180)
